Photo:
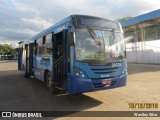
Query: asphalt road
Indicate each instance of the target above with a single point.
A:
(21, 94)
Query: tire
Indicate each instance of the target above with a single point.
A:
(49, 82)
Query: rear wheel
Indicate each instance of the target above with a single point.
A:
(49, 82)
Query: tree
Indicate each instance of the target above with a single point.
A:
(6, 49)
(123, 19)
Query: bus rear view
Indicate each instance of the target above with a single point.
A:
(85, 54)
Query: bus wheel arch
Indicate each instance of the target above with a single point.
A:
(48, 81)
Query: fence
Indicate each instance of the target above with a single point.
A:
(144, 52)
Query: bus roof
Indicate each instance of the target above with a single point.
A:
(68, 19)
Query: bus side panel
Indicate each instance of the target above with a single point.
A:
(40, 66)
(38, 71)
(20, 52)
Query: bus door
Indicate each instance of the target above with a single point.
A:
(25, 60)
(31, 45)
(20, 53)
(59, 59)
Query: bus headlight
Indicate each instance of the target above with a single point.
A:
(79, 73)
(124, 71)
(82, 75)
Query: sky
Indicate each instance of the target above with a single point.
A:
(21, 19)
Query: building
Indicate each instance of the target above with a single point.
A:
(145, 45)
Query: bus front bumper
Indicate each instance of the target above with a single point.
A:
(80, 85)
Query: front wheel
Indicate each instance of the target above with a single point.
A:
(49, 82)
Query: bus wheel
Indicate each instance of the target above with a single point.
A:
(49, 82)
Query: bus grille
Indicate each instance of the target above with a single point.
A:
(99, 85)
(104, 70)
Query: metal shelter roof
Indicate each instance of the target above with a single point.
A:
(142, 18)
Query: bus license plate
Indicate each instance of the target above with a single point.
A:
(106, 82)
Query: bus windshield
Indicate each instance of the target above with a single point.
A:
(98, 45)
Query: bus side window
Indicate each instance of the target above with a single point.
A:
(35, 49)
(39, 46)
(48, 44)
(59, 45)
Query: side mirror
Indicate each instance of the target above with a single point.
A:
(71, 38)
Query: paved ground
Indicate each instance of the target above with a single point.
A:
(18, 93)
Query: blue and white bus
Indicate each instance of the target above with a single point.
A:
(78, 54)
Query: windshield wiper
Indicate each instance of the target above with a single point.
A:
(111, 37)
(93, 35)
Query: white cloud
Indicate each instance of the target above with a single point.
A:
(38, 21)
(21, 19)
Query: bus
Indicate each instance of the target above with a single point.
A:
(78, 54)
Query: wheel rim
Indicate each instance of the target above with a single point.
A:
(49, 80)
